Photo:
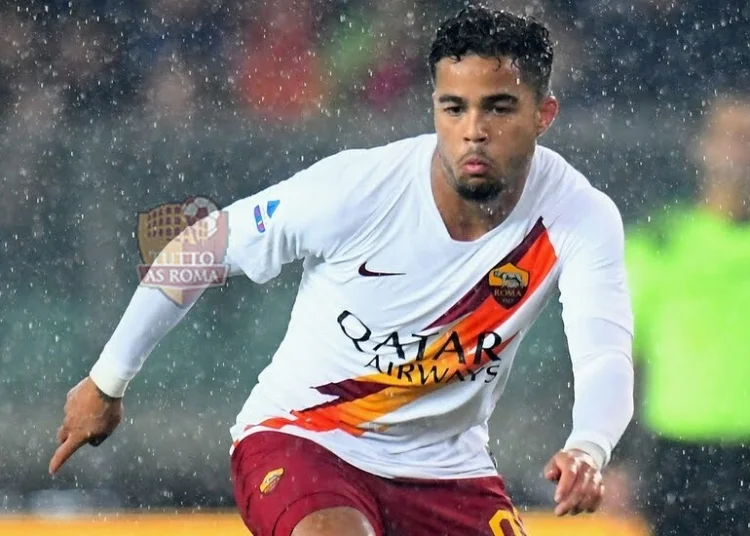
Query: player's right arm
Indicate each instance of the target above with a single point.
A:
(314, 213)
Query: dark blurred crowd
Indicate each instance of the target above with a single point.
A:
(292, 60)
(175, 64)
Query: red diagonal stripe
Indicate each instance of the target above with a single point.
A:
(347, 391)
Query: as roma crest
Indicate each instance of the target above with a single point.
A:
(508, 284)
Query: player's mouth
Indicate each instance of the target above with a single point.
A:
(475, 165)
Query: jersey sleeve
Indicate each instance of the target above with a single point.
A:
(598, 323)
(316, 212)
(593, 279)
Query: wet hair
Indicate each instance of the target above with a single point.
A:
(494, 34)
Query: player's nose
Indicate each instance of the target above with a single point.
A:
(475, 128)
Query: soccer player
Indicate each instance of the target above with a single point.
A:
(426, 261)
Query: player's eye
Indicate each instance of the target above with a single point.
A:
(452, 110)
(501, 110)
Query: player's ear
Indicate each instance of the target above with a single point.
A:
(546, 113)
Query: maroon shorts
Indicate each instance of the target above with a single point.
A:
(279, 479)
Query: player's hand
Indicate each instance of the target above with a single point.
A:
(90, 417)
(579, 482)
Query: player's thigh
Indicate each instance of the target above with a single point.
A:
(470, 507)
(339, 521)
(279, 480)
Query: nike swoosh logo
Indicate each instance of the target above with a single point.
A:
(364, 272)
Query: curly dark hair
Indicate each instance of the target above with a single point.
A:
(494, 34)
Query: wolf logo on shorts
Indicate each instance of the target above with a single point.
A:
(271, 480)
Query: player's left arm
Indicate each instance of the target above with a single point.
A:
(598, 323)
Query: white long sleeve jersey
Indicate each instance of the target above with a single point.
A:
(401, 338)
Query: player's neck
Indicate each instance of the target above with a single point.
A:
(467, 220)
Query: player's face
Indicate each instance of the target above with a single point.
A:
(487, 121)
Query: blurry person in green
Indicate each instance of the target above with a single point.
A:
(689, 269)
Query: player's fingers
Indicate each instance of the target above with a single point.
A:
(569, 503)
(568, 506)
(596, 500)
(62, 434)
(585, 502)
(563, 507)
(64, 452)
(552, 470)
(568, 477)
(587, 492)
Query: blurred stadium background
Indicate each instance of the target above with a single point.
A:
(111, 107)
